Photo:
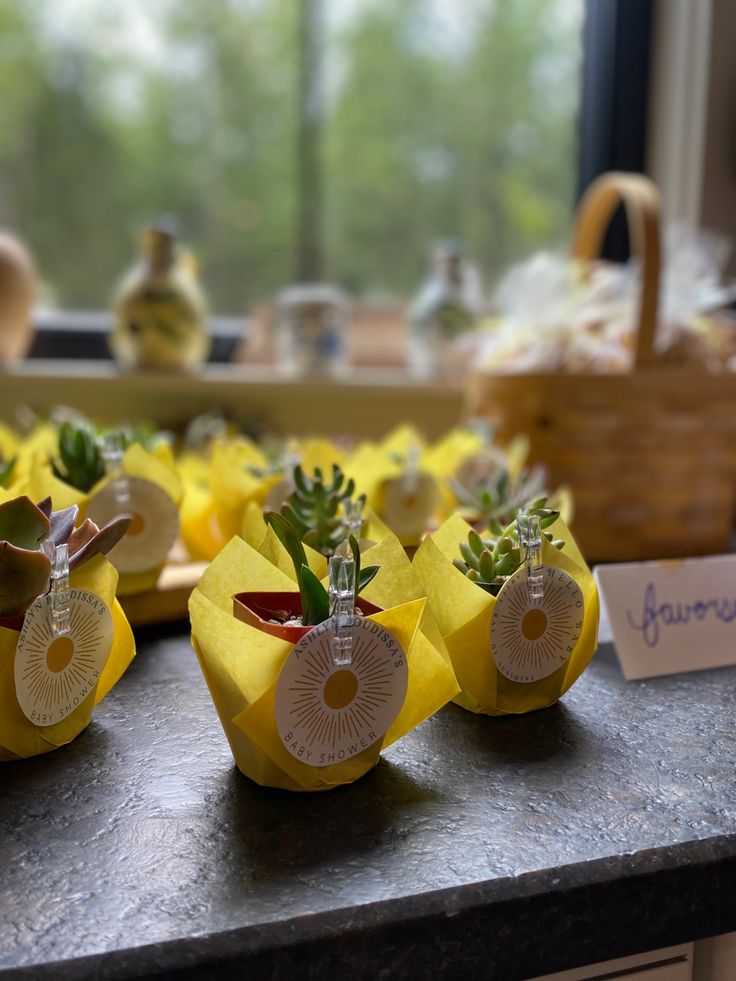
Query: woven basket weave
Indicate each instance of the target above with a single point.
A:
(650, 455)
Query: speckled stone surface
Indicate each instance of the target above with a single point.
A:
(487, 848)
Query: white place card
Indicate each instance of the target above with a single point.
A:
(671, 616)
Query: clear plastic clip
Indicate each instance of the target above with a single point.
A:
(112, 454)
(530, 542)
(291, 460)
(353, 522)
(411, 470)
(60, 595)
(342, 607)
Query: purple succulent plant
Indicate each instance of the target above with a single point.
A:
(25, 566)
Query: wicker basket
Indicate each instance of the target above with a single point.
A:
(650, 455)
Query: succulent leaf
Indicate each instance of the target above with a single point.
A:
(500, 558)
(80, 462)
(315, 598)
(315, 508)
(289, 538)
(62, 524)
(88, 540)
(45, 506)
(6, 471)
(23, 524)
(24, 575)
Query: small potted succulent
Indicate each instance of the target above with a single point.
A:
(497, 497)
(63, 634)
(516, 605)
(79, 463)
(290, 615)
(26, 532)
(269, 634)
(491, 561)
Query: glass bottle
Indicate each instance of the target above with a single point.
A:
(447, 306)
(160, 310)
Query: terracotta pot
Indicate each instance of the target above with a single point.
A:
(256, 609)
(13, 623)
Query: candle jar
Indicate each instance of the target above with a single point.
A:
(311, 329)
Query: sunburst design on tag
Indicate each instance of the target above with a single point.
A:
(531, 639)
(152, 532)
(54, 675)
(327, 712)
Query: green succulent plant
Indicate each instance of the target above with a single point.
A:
(489, 562)
(500, 498)
(80, 462)
(27, 531)
(314, 509)
(315, 598)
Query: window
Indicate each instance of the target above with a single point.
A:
(433, 118)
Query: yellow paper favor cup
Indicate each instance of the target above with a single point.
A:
(156, 488)
(243, 668)
(19, 736)
(511, 655)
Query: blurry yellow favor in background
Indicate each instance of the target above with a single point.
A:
(148, 487)
(311, 682)
(518, 609)
(64, 639)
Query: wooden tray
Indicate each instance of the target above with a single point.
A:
(168, 602)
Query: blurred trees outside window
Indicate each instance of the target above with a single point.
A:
(439, 118)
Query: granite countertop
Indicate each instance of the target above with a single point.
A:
(491, 848)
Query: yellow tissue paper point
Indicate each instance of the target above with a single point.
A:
(40, 482)
(19, 737)
(463, 611)
(233, 484)
(200, 530)
(254, 524)
(322, 454)
(10, 444)
(160, 470)
(138, 462)
(242, 664)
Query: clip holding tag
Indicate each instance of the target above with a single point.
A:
(353, 524)
(411, 469)
(59, 589)
(342, 607)
(530, 542)
(112, 454)
(291, 460)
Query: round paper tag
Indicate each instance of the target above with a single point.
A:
(531, 639)
(328, 713)
(409, 504)
(152, 532)
(53, 676)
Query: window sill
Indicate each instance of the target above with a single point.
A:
(366, 403)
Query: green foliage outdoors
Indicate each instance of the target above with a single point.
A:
(428, 133)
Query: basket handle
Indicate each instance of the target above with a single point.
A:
(640, 198)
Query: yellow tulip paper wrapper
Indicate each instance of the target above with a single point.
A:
(464, 612)
(234, 482)
(399, 488)
(21, 738)
(156, 495)
(200, 529)
(242, 665)
(39, 481)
